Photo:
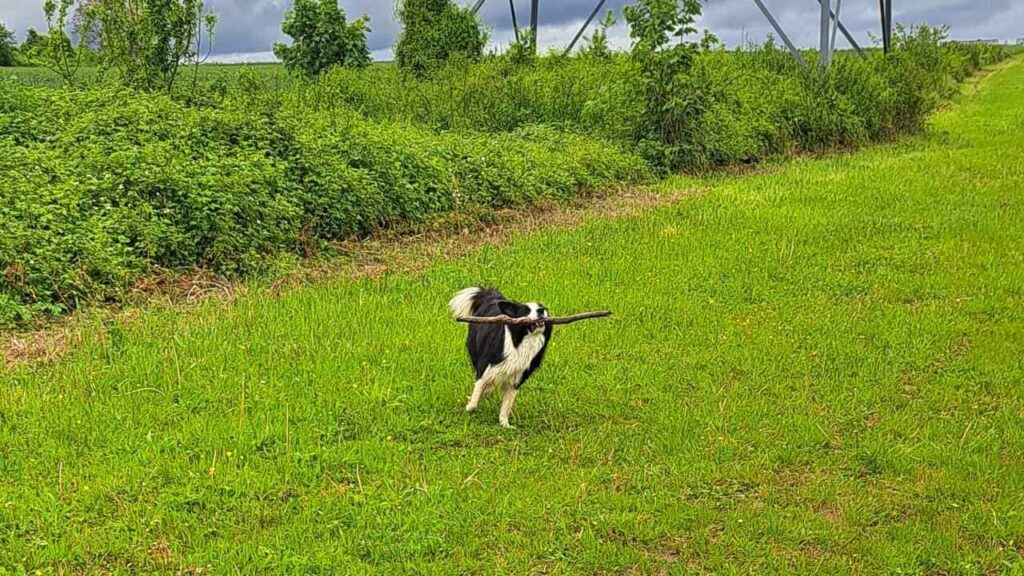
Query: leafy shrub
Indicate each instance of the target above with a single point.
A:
(435, 32)
(522, 51)
(597, 42)
(322, 38)
(32, 45)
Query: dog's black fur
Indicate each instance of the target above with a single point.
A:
(486, 342)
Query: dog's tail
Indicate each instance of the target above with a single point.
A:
(463, 303)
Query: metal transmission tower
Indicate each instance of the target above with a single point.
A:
(830, 26)
(886, 11)
(534, 19)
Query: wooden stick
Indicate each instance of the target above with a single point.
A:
(509, 321)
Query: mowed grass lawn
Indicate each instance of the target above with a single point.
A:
(813, 370)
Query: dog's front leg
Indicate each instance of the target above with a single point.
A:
(506, 406)
(479, 388)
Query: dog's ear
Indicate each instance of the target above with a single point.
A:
(511, 309)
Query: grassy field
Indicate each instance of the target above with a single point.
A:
(41, 76)
(815, 370)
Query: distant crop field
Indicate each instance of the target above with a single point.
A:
(33, 76)
(39, 76)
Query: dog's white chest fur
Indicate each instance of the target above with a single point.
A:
(518, 358)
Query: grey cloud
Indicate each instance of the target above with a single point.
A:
(253, 26)
(248, 28)
(22, 15)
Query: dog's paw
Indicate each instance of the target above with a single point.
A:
(470, 407)
(507, 426)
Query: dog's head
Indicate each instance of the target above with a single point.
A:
(531, 310)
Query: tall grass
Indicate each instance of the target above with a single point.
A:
(755, 102)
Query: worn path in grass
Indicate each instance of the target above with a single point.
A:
(813, 370)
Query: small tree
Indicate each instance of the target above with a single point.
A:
(434, 32)
(673, 107)
(8, 49)
(32, 47)
(35, 50)
(56, 52)
(322, 39)
(146, 41)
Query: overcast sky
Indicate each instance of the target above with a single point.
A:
(248, 27)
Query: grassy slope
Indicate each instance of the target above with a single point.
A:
(817, 369)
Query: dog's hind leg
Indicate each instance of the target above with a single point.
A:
(506, 406)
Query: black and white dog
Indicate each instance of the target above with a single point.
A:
(501, 355)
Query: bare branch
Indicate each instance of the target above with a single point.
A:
(509, 321)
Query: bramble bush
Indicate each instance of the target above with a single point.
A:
(103, 185)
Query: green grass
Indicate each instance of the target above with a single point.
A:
(812, 370)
